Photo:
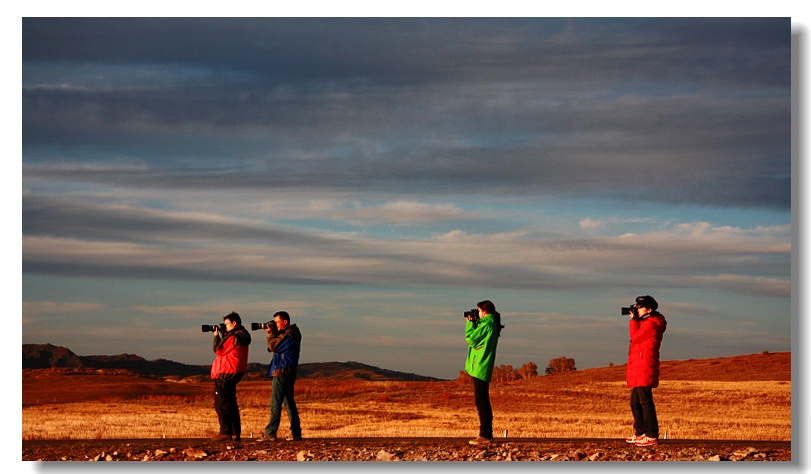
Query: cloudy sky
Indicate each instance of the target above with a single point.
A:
(378, 177)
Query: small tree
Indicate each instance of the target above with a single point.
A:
(503, 373)
(560, 365)
(528, 370)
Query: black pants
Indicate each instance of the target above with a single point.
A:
(225, 404)
(644, 412)
(481, 394)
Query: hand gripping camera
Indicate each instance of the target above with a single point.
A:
(472, 315)
(268, 325)
(627, 310)
(213, 327)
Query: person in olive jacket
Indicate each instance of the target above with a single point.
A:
(646, 327)
(482, 335)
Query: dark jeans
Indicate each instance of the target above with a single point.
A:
(283, 393)
(225, 403)
(644, 412)
(481, 394)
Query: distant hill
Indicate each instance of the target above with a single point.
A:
(766, 366)
(743, 368)
(355, 370)
(44, 356)
(751, 367)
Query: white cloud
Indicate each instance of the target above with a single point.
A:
(590, 224)
(398, 213)
(683, 255)
(37, 308)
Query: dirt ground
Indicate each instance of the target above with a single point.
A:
(422, 449)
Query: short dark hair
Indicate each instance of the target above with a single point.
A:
(233, 317)
(647, 301)
(283, 315)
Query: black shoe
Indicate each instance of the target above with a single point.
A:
(293, 438)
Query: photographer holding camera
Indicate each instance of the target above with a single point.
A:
(284, 341)
(482, 330)
(642, 374)
(227, 370)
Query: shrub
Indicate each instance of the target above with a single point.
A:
(464, 378)
(560, 365)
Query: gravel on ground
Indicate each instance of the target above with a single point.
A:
(394, 449)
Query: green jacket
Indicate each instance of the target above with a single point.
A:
(482, 339)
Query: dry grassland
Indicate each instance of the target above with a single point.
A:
(586, 404)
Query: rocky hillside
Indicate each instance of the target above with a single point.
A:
(43, 356)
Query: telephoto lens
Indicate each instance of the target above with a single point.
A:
(213, 327)
(268, 325)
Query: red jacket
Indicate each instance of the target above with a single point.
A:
(643, 355)
(232, 352)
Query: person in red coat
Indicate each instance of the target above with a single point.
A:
(642, 375)
(229, 366)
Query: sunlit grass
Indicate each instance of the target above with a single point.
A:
(533, 408)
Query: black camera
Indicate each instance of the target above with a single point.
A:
(626, 310)
(473, 314)
(268, 325)
(213, 327)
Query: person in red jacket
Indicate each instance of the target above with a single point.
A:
(642, 374)
(227, 370)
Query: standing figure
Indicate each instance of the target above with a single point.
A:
(231, 349)
(482, 330)
(642, 374)
(284, 341)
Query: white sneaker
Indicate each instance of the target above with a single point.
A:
(645, 441)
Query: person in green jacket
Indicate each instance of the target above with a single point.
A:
(482, 333)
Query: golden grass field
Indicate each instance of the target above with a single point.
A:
(750, 399)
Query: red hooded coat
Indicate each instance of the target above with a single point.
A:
(643, 355)
(232, 352)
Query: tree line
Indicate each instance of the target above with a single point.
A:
(506, 373)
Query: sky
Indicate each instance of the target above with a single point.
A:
(377, 177)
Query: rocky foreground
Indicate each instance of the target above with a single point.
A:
(423, 449)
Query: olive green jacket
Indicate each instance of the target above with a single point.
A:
(482, 339)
